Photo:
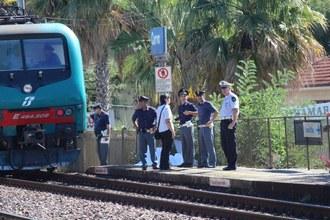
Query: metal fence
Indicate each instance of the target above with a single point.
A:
(261, 142)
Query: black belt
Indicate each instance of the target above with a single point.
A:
(144, 130)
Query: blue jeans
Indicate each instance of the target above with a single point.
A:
(147, 139)
(207, 151)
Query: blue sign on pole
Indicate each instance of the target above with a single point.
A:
(158, 37)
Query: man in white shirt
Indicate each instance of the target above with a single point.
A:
(229, 115)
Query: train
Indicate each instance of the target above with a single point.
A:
(42, 96)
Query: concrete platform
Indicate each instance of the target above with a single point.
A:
(292, 184)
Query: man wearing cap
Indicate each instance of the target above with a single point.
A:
(186, 112)
(207, 113)
(144, 120)
(229, 115)
(101, 128)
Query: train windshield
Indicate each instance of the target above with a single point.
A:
(44, 53)
(32, 54)
(10, 55)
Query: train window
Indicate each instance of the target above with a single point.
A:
(10, 55)
(44, 53)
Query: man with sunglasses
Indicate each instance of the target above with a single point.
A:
(229, 115)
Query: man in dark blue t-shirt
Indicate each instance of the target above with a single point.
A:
(101, 129)
(186, 113)
(206, 116)
(144, 120)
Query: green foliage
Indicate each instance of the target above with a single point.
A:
(258, 102)
(8, 2)
(246, 78)
(215, 99)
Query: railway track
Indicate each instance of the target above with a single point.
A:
(8, 216)
(187, 201)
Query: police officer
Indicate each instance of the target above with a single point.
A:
(101, 128)
(229, 116)
(186, 112)
(144, 120)
(206, 116)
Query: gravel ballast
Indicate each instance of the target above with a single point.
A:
(43, 205)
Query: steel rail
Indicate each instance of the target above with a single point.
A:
(271, 206)
(142, 201)
(8, 216)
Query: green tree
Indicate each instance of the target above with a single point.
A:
(275, 34)
(323, 36)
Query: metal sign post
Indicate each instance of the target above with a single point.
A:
(163, 75)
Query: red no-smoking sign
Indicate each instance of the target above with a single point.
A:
(162, 73)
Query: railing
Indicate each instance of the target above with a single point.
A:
(261, 142)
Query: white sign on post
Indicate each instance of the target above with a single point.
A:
(163, 79)
(312, 129)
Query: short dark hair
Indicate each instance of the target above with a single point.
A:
(163, 98)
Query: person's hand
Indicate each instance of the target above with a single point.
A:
(209, 123)
(231, 125)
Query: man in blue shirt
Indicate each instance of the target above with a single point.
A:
(144, 120)
(186, 113)
(101, 129)
(206, 116)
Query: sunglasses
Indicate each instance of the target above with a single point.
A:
(223, 87)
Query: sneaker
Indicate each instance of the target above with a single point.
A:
(144, 167)
(154, 166)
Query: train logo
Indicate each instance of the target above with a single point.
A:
(28, 101)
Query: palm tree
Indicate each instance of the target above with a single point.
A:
(138, 64)
(323, 36)
(275, 34)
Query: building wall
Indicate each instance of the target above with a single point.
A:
(301, 95)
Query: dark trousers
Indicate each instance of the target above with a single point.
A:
(102, 150)
(187, 139)
(228, 142)
(167, 141)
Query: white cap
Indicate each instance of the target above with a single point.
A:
(224, 83)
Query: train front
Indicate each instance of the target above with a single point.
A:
(42, 96)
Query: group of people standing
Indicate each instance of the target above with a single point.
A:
(148, 121)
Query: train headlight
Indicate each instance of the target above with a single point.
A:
(27, 88)
(68, 111)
